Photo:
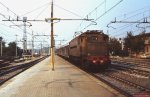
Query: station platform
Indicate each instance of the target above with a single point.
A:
(65, 81)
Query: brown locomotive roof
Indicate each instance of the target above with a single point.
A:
(91, 32)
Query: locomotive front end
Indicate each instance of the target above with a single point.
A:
(98, 61)
(97, 54)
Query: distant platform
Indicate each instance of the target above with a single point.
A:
(65, 81)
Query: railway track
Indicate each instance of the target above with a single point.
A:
(143, 63)
(128, 81)
(10, 72)
(139, 71)
(4, 63)
(125, 78)
(126, 87)
(107, 80)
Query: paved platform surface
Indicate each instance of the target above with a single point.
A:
(65, 81)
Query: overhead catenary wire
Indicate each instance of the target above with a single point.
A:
(8, 8)
(15, 15)
(91, 13)
(41, 12)
(33, 31)
(127, 25)
(122, 28)
(13, 28)
(68, 10)
(126, 19)
(7, 18)
(103, 14)
(35, 9)
(75, 13)
(136, 13)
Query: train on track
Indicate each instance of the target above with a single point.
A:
(89, 50)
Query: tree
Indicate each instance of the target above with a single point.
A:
(114, 46)
(128, 41)
(134, 43)
(11, 49)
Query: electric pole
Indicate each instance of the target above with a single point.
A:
(32, 44)
(52, 32)
(52, 38)
(16, 46)
(24, 35)
(1, 46)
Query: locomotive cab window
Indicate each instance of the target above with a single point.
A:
(105, 38)
(92, 39)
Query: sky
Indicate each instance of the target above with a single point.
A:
(101, 11)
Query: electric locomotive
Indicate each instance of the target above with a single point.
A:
(90, 49)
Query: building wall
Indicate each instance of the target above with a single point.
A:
(147, 49)
(147, 45)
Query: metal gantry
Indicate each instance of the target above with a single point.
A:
(115, 21)
(52, 32)
(41, 35)
(24, 30)
(51, 20)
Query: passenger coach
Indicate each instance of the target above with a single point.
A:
(90, 49)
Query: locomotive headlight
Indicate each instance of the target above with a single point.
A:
(89, 54)
(94, 61)
(101, 61)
